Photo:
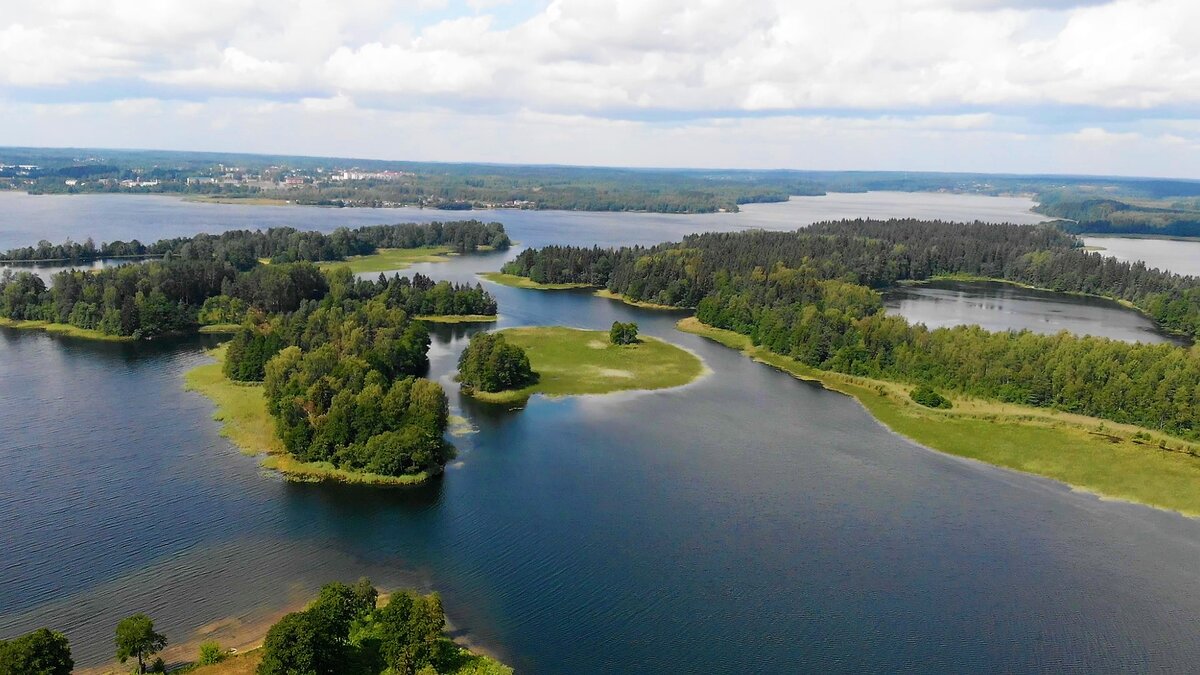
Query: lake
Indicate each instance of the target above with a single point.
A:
(999, 306)
(1181, 256)
(749, 522)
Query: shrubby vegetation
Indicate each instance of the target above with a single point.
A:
(926, 396)
(244, 248)
(623, 333)
(41, 652)
(344, 632)
(808, 295)
(490, 363)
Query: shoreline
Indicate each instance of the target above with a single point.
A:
(242, 636)
(1086, 454)
(63, 329)
(242, 412)
(1120, 301)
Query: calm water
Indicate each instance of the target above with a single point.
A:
(747, 523)
(1172, 255)
(998, 307)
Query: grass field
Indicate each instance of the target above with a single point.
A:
(242, 411)
(457, 318)
(1085, 452)
(391, 259)
(64, 329)
(573, 362)
(525, 282)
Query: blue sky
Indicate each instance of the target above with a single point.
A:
(974, 85)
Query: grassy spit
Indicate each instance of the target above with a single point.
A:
(525, 282)
(242, 410)
(1087, 453)
(391, 259)
(609, 295)
(574, 362)
(457, 318)
(64, 329)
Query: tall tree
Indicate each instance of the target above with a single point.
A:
(136, 638)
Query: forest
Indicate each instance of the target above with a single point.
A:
(215, 279)
(342, 374)
(245, 248)
(811, 295)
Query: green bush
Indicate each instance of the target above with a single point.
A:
(929, 398)
(210, 653)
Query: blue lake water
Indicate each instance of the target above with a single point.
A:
(747, 523)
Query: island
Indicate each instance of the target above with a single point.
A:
(576, 362)
(208, 282)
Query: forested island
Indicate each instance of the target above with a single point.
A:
(213, 280)
(810, 297)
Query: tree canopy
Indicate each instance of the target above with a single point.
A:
(491, 363)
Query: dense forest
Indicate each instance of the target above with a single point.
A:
(245, 248)
(213, 279)
(342, 374)
(490, 363)
(345, 631)
(1090, 213)
(810, 295)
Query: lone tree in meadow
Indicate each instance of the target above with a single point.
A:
(136, 638)
(623, 333)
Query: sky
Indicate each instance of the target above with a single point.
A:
(1016, 86)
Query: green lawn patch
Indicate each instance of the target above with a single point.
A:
(525, 282)
(242, 411)
(220, 328)
(1094, 455)
(391, 259)
(573, 362)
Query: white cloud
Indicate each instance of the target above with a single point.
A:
(923, 75)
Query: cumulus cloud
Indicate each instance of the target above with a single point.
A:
(1005, 70)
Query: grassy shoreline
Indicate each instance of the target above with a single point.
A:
(242, 411)
(525, 282)
(1086, 453)
(391, 259)
(64, 329)
(457, 318)
(609, 295)
(578, 362)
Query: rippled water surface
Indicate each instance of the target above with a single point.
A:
(747, 523)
